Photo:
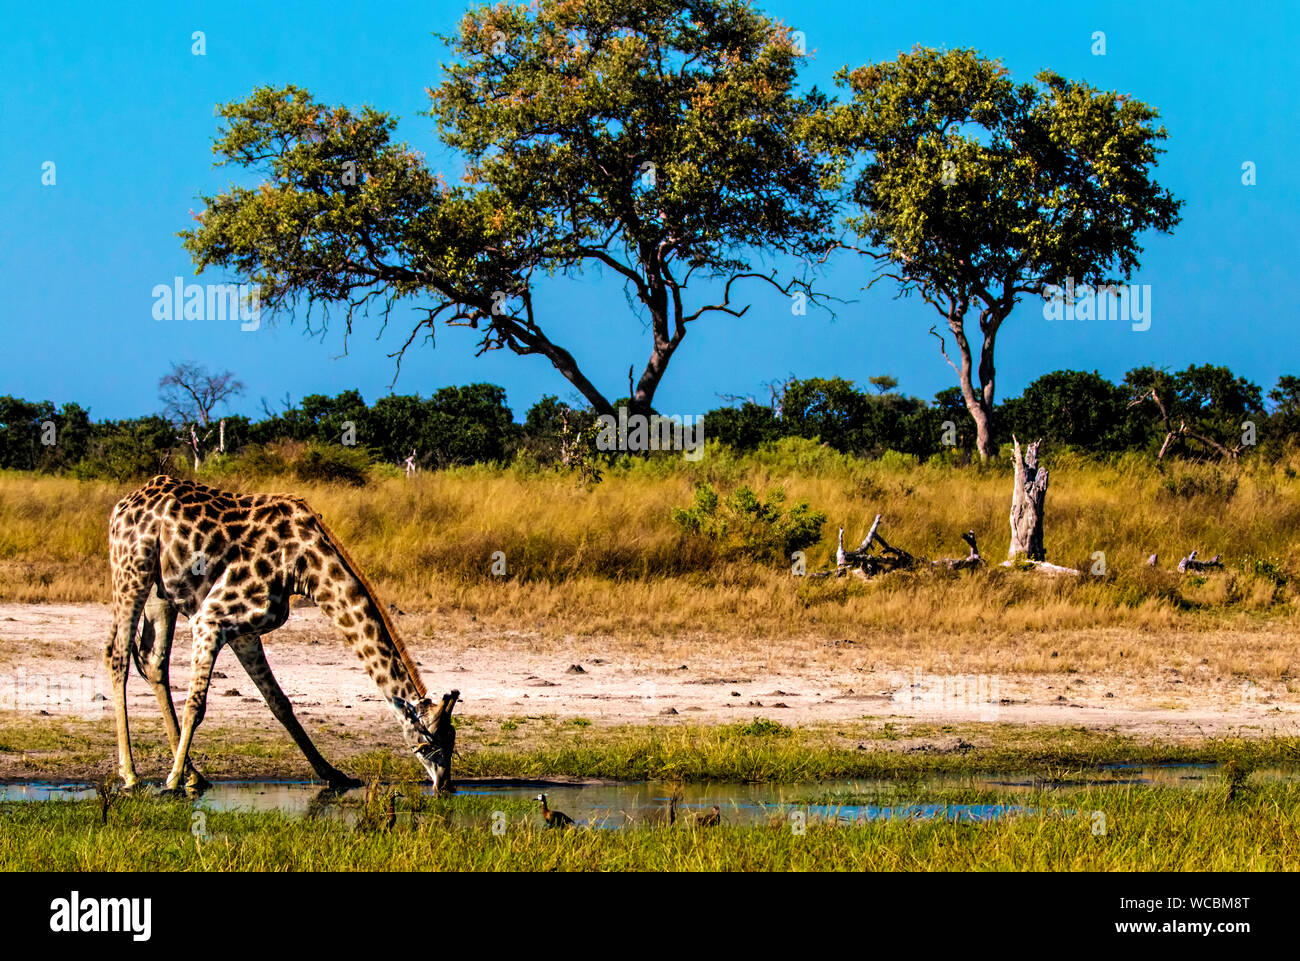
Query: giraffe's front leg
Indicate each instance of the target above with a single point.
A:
(251, 654)
(207, 642)
(117, 659)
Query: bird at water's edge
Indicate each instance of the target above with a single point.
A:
(391, 814)
(553, 819)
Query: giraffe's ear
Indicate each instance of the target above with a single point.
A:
(445, 708)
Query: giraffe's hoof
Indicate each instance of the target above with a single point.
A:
(196, 783)
(339, 781)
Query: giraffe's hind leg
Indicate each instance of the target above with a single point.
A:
(155, 649)
(248, 649)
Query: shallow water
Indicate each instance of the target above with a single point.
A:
(621, 804)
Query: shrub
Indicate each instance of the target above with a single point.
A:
(762, 727)
(256, 461)
(332, 463)
(1207, 482)
(130, 450)
(892, 460)
(1264, 567)
(746, 526)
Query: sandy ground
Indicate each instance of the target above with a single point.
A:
(50, 665)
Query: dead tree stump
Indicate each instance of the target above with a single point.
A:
(1027, 497)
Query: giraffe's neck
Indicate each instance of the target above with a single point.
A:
(346, 597)
(381, 652)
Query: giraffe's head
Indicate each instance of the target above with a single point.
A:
(431, 735)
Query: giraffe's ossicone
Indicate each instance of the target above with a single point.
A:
(230, 563)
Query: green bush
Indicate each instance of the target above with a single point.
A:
(131, 450)
(762, 727)
(328, 463)
(892, 460)
(261, 460)
(1269, 567)
(745, 526)
(1209, 481)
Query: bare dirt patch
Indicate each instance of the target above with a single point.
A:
(50, 665)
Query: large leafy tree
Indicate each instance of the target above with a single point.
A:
(1074, 407)
(976, 190)
(836, 412)
(831, 409)
(745, 427)
(660, 141)
(467, 424)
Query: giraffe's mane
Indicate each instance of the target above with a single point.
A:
(360, 575)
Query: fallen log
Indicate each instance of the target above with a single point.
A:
(886, 557)
(1191, 563)
(889, 558)
(1044, 567)
(966, 563)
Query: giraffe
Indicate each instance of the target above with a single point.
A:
(230, 562)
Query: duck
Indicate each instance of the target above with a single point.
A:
(553, 819)
(712, 819)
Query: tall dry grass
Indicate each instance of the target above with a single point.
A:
(609, 559)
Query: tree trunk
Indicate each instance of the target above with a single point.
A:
(984, 418)
(978, 400)
(642, 396)
(983, 432)
(1027, 497)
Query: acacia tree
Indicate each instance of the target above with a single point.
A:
(190, 395)
(976, 190)
(659, 140)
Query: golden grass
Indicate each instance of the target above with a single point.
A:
(609, 560)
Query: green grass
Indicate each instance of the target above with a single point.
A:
(728, 753)
(1146, 829)
(755, 750)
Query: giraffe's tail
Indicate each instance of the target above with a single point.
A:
(135, 656)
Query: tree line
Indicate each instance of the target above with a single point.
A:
(1202, 412)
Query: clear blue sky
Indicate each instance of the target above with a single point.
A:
(112, 94)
